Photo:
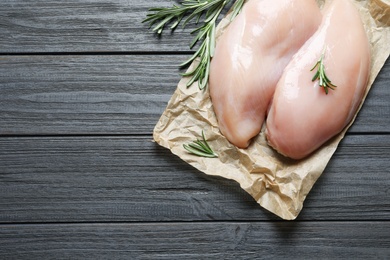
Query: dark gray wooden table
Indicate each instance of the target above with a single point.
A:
(82, 84)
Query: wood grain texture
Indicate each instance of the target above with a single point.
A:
(85, 94)
(84, 179)
(280, 240)
(115, 94)
(82, 84)
(85, 26)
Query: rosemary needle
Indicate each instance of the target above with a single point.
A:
(321, 75)
(200, 148)
(195, 9)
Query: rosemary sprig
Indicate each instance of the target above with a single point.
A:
(200, 148)
(237, 8)
(321, 75)
(195, 9)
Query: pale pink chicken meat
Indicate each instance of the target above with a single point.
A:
(302, 116)
(249, 59)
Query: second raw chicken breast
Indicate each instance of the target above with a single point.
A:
(249, 59)
(304, 115)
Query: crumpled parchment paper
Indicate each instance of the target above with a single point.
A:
(278, 184)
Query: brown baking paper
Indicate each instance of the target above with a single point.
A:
(278, 184)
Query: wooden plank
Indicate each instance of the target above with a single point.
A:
(115, 94)
(85, 94)
(78, 179)
(85, 26)
(280, 240)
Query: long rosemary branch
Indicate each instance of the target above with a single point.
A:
(194, 9)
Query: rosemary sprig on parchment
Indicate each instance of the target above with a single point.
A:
(200, 148)
(194, 9)
(321, 75)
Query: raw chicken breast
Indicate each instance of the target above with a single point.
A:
(249, 59)
(302, 116)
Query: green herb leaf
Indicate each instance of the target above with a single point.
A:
(194, 9)
(237, 8)
(200, 148)
(321, 75)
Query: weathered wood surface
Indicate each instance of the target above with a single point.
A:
(116, 94)
(204, 240)
(84, 26)
(79, 179)
(82, 84)
(85, 94)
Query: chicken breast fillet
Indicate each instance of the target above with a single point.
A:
(302, 116)
(249, 59)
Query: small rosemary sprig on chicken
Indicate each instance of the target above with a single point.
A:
(321, 75)
(200, 148)
(194, 9)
